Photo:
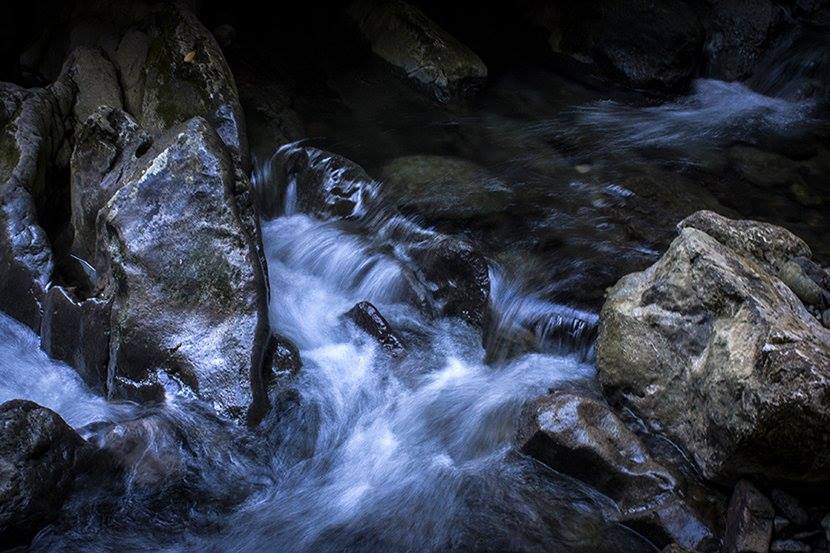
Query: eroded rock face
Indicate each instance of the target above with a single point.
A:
(181, 274)
(718, 353)
(582, 438)
(38, 457)
(404, 37)
(748, 521)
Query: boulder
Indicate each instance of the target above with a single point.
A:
(96, 82)
(76, 331)
(440, 187)
(641, 44)
(748, 521)
(713, 350)
(367, 317)
(39, 457)
(108, 139)
(402, 36)
(175, 260)
(457, 276)
(184, 75)
(581, 437)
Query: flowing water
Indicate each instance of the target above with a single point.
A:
(367, 451)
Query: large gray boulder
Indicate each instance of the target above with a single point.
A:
(39, 458)
(581, 437)
(175, 258)
(401, 35)
(714, 350)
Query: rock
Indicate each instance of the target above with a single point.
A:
(780, 525)
(401, 35)
(186, 301)
(281, 363)
(130, 57)
(582, 438)
(440, 187)
(799, 282)
(108, 139)
(825, 318)
(790, 507)
(30, 140)
(95, 79)
(737, 35)
(825, 524)
(674, 548)
(765, 169)
(458, 277)
(767, 244)
(77, 333)
(789, 546)
(641, 44)
(39, 454)
(225, 35)
(173, 90)
(736, 370)
(367, 317)
(317, 182)
(748, 521)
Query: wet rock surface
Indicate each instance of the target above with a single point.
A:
(367, 317)
(188, 308)
(39, 454)
(749, 520)
(581, 437)
(726, 333)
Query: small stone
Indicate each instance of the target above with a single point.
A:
(789, 546)
(583, 168)
(800, 283)
(367, 317)
(789, 507)
(780, 525)
(190, 56)
(748, 520)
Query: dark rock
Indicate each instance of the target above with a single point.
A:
(440, 187)
(109, 139)
(789, 507)
(737, 371)
(367, 317)
(96, 82)
(186, 300)
(748, 521)
(325, 184)
(281, 363)
(404, 37)
(814, 271)
(825, 524)
(582, 438)
(77, 333)
(674, 548)
(641, 44)
(185, 75)
(225, 35)
(39, 454)
(737, 35)
(458, 276)
(789, 546)
(780, 525)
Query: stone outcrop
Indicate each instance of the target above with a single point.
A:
(714, 350)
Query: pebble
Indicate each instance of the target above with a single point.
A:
(789, 546)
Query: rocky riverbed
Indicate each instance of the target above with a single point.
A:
(415, 276)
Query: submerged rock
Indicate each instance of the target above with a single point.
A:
(715, 351)
(181, 274)
(441, 187)
(582, 438)
(39, 454)
(404, 37)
